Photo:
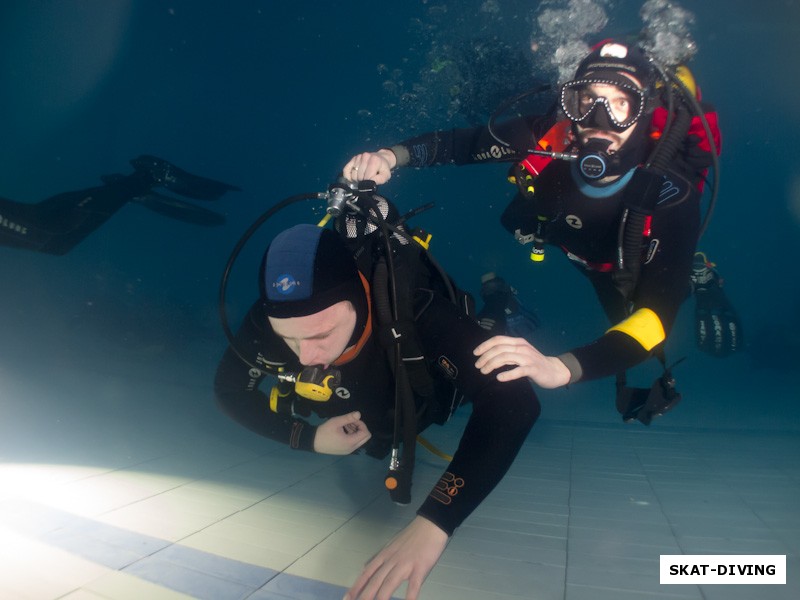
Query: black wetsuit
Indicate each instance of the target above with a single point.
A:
(586, 229)
(58, 224)
(502, 413)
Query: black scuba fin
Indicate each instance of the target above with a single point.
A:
(643, 404)
(179, 181)
(630, 401)
(182, 211)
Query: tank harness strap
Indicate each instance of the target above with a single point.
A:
(394, 336)
(394, 267)
(415, 391)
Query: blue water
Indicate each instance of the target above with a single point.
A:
(275, 97)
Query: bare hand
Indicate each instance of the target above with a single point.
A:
(375, 166)
(501, 351)
(409, 556)
(341, 435)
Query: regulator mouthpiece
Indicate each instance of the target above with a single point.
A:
(594, 159)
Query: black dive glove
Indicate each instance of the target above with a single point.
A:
(718, 330)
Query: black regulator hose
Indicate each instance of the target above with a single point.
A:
(223, 285)
(669, 145)
(698, 110)
(690, 99)
(641, 195)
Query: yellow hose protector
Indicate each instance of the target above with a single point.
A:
(432, 449)
(644, 326)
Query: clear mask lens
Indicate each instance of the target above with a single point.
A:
(622, 104)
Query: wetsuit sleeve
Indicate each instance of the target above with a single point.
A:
(471, 146)
(236, 384)
(502, 416)
(663, 285)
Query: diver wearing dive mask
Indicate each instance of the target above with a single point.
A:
(606, 109)
(633, 237)
(602, 103)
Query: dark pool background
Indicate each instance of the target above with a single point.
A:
(275, 97)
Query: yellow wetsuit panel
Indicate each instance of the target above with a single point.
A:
(644, 326)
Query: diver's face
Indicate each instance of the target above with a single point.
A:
(602, 110)
(320, 338)
(619, 103)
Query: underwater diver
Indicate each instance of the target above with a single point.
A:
(615, 182)
(58, 224)
(502, 312)
(718, 330)
(324, 304)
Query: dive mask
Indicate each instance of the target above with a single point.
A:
(602, 103)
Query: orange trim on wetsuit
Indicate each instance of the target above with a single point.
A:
(354, 350)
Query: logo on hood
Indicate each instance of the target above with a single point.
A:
(285, 284)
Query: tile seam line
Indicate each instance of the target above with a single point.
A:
(216, 521)
(569, 509)
(372, 501)
(661, 508)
